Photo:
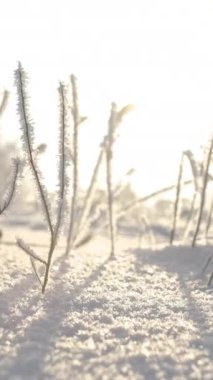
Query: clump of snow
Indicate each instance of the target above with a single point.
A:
(145, 315)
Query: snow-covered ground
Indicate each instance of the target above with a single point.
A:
(147, 315)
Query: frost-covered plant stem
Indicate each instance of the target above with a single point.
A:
(197, 172)
(89, 194)
(4, 102)
(113, 124)
(177, 199)
(54, 238)
(210, 279)
(16, 163)
(191, 214)
(62, 158)
(27, 130)
(203, 194)
(26, 126)
(109, 153)
(12, 187)
(143, 222)
(209, 220)
(76, 122)
(131, 205)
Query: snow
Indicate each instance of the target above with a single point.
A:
(145, 315)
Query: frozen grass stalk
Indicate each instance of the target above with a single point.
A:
(77, 120)
(131, 205)
(88, 198)
(203, 193)
(197, 172)
(195, 169)
(109, 144)
(75, 239)
(28, 135)
(177, 200)
(11, 188)
(209, 220)
(191, 214)
(143, 222)
(10, 191)
(4, 102)
(210, 279)
(114, 121)
(54, 237)
(85, 216)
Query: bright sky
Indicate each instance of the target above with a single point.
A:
(155, 54)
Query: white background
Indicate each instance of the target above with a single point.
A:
(155, 54)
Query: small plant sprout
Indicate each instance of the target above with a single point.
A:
(28, 146)
(113, 124)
